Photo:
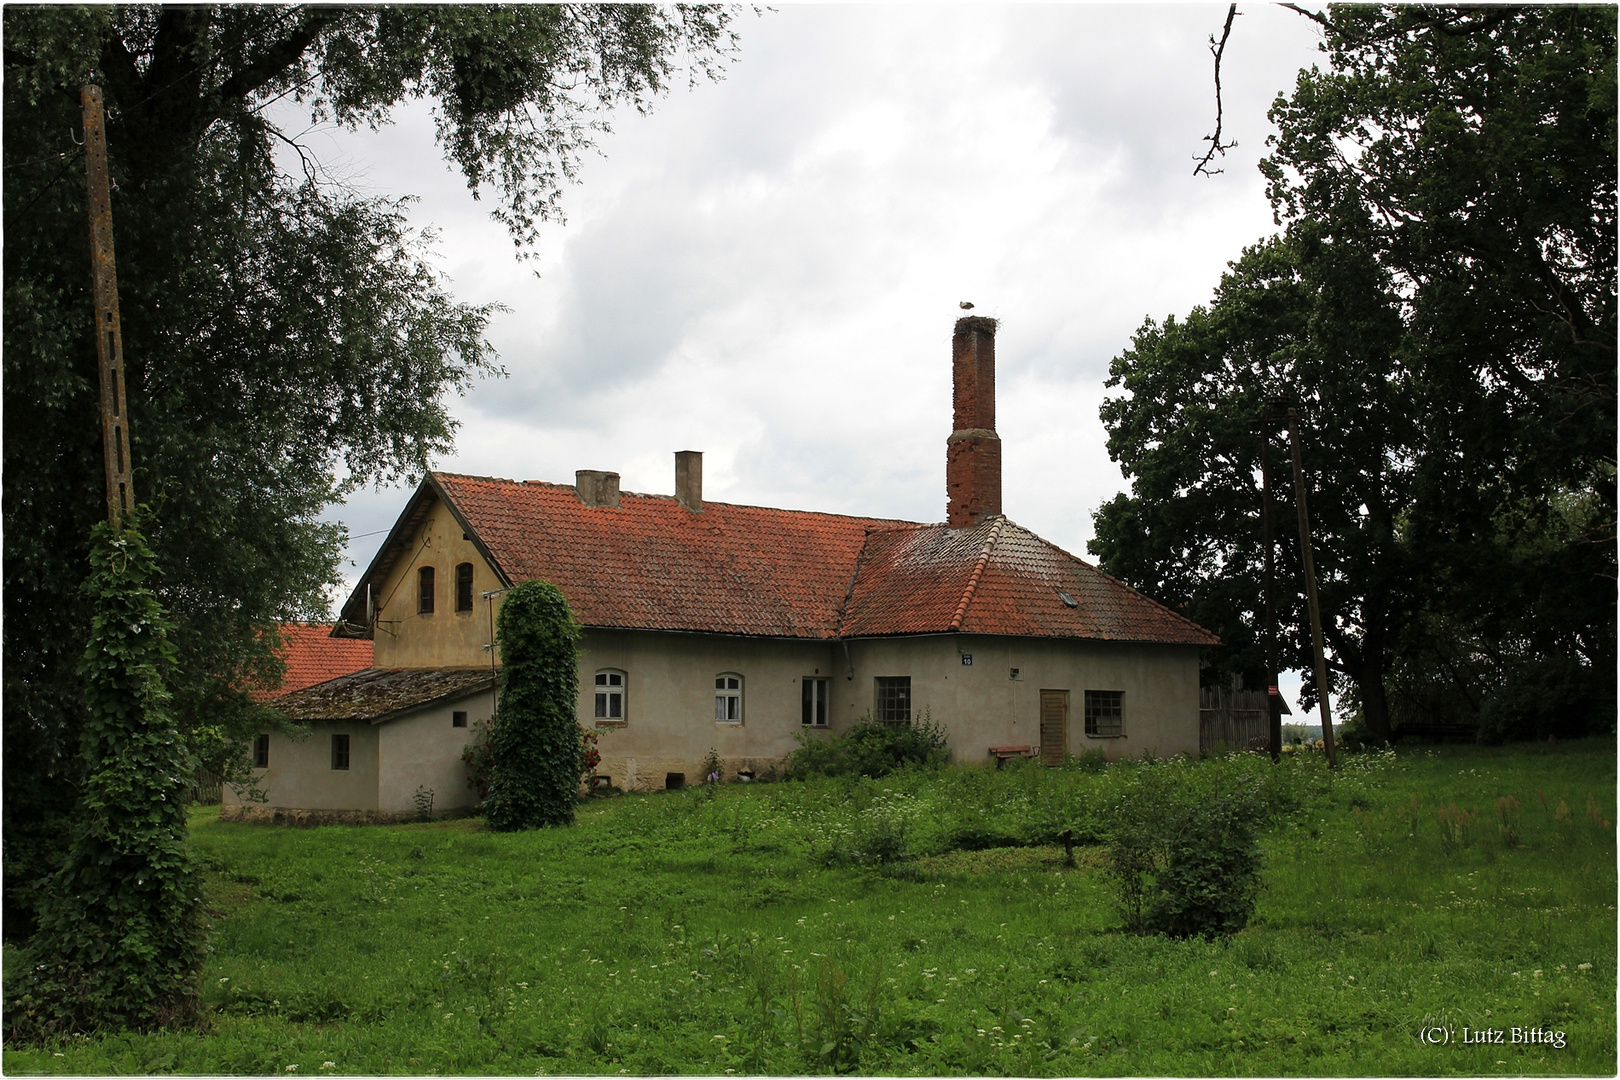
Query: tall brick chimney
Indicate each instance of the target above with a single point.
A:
(973, 452)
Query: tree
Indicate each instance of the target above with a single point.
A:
(536, 754)
(1312, 323)
(286, 340)
(1468, 155)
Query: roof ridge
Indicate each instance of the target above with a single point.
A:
(706, 502)
(978, 571)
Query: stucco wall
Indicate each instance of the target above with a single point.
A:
(983, 705)
(670, 725)
(301, 774)
(424, 749)
(447, 637)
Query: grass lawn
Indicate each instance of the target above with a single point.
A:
(751, 929)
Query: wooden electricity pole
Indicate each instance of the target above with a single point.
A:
(1273, 694)
(1310, 592)
(109, 335)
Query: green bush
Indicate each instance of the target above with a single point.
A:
(870, 748)
(534, 739)
(121, 933)
(1185, 850)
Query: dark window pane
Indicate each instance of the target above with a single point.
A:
(894, 699)
(340, 751)
(464, 587)
(261, 751)
(424, 601)
(1105, 713)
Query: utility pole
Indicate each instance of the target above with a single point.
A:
(109, 334)
(1273, 694)
(1310, 592)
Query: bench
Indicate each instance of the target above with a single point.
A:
(1002, 753)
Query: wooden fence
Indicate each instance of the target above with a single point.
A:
(1230, 720)
(205, 789)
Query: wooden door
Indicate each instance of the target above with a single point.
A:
(1054, 726)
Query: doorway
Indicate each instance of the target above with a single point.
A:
(1054, 726)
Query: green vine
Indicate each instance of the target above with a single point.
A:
(121, 933)
(534, 738)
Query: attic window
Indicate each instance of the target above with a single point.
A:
(424, 591)
(458, 719)
(1068, 600)
(340, 752)
(261, 751)
(464, 589)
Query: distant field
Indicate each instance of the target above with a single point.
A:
(750, 929)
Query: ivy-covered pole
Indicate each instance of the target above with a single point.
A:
(120, 941)
(534, 738)
(121, 934)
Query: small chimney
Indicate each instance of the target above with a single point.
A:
(973, 452)
(597, 488)
(689, 479)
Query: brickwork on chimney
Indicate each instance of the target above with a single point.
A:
(973, 452)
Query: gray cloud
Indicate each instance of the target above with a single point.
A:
(767, 268)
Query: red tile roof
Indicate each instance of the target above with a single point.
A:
(998, 578)
(313, 656)
(650, 564)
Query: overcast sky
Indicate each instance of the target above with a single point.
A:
(767, 269)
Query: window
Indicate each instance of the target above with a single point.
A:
(458, 719)
(464, 586)
(894, 699)
(728, 699)
(261, 751)
(814, 700)
(610, 695)
(340, 751)
(424, 591)
(1105, 713)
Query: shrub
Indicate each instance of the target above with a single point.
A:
(121, 933)
(870, 748)
(1185, 851)
(534, 739)
(479, 758)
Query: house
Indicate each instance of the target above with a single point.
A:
(740, 629)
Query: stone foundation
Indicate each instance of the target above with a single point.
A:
(652, 774)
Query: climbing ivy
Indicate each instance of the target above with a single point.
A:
(121, 933)
(534, 738)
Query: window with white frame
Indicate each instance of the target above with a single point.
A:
(610, 686)
(728, 699)
(813, 696)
